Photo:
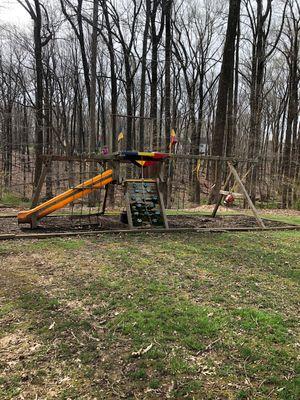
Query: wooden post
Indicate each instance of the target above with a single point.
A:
(128, 209)
(217, 205)
(243, 189)
(33, 222)
(105, 199)
(162, 205)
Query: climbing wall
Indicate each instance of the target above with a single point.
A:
(144, 203)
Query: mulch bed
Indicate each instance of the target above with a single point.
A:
(70, 223)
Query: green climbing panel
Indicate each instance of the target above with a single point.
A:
(144, 204)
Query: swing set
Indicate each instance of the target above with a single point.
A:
(144, 201)
(229, 195)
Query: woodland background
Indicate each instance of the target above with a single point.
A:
(223, 74)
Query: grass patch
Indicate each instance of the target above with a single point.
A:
(294, 219)
(259, 322)
(219, 311)
(14, 200)
(168, 320)
(60, 244)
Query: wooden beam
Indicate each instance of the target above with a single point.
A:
(105, 199)
(212, 158)
(217, 205)
(162, 205)
(82, 158)
(237, 195)
(117, 157)
(128, 209)
(46, 235)
(243, 189)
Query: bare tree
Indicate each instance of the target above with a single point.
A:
(34, 9)
(225, 80)
(292, 57)
(143, 75)
(261, 29)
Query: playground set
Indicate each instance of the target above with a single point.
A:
(143, 197)
(136, 187)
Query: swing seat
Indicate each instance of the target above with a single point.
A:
(236, 195)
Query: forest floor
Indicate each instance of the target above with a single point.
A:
(175, 316)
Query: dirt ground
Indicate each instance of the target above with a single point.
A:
(67, 223)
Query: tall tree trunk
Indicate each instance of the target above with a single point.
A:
(143, 77)
(168, 53)
(290, 145)
(93, 81)
(155, 40)
(129, 107)
(218, 139)
(92, 108)
(39, 138)
(113, 76)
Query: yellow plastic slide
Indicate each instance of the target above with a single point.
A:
(65, 198)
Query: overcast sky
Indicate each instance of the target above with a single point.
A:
(12, 12)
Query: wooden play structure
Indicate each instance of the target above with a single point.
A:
(143, 197)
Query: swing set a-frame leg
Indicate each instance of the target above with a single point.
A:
(233, 171)
(218, 203)
(247, 197)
